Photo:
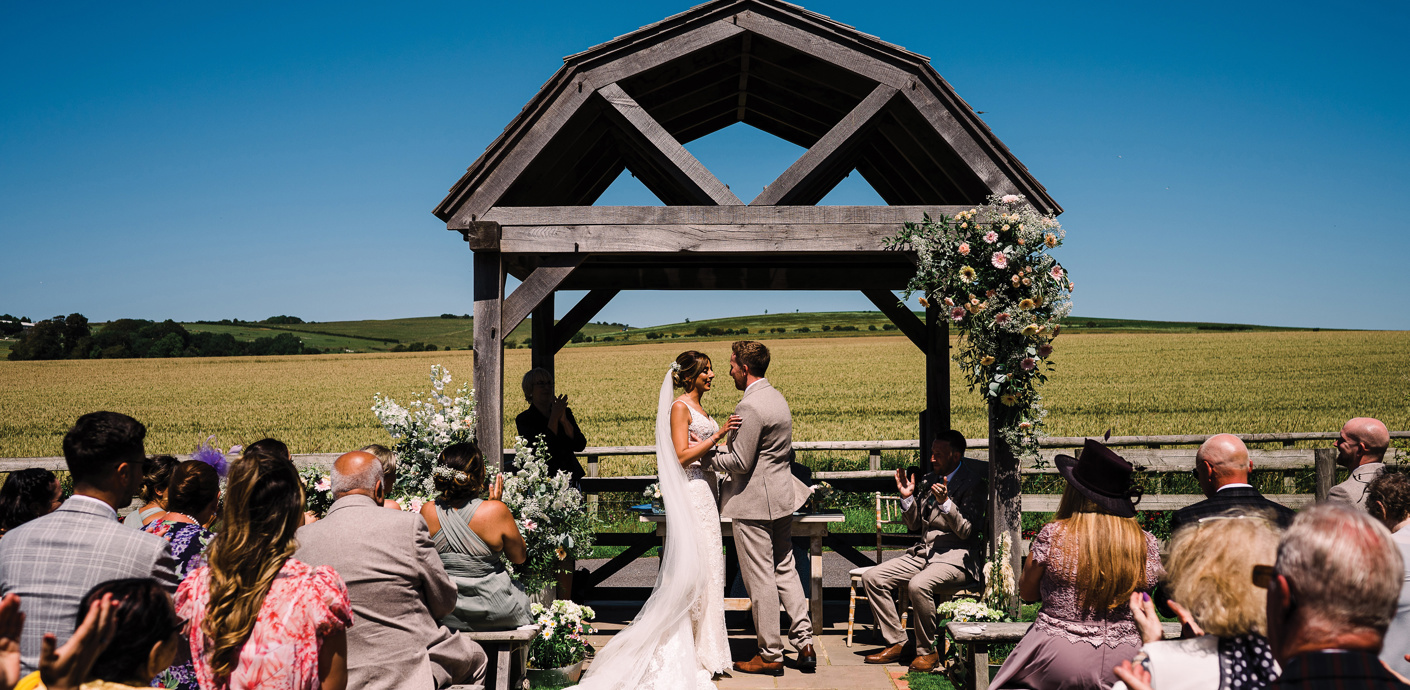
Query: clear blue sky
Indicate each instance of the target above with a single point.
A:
(1240, 162)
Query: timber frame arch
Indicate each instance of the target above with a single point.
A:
(852, 100)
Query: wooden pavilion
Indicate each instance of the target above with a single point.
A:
(852, 100)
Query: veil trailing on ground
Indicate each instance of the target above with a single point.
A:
(682, 578)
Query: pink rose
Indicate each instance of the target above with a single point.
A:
(964, 248)
(1001, 317)
(949, 302)
(1028, 364)
(1056, 273)
(957, 314)
(999, 260)
(1044, 350)
(991, 237)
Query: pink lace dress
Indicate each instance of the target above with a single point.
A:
(304, 606)
(1067, 648)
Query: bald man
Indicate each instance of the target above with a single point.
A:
(398, 587)
(1361, 448)
(1222, 468)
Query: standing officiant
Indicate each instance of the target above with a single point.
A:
(551, 417)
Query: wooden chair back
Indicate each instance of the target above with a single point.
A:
(888, 512)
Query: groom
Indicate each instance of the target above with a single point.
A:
(759, 494)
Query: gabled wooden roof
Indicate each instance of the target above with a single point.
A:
(855, 101)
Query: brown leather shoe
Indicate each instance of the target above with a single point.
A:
(758, 665)
(807, 659)
(890, 655)
(925, 664)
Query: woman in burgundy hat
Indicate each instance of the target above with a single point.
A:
(1084, 565)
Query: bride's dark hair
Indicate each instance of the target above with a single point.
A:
(691, 364)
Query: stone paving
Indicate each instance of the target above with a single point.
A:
(839, 667)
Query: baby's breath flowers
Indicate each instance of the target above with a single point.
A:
(1005, 336)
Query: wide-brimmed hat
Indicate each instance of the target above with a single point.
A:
(1104, 477)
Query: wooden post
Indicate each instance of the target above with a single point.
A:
(937, 381)
(874, 459)
(541, 328)
(489, 353)
(592, 497)
(1325, 462)
(1005, 502)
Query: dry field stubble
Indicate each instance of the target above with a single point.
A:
(839, 389)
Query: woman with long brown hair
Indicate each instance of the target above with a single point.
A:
(1084, 566)
(258, 618)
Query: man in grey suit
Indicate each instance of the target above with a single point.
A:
(759, 494)
(398, 587)
(52, 561)
(947, 507)
(1361, 448)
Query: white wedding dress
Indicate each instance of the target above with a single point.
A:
(677, 641)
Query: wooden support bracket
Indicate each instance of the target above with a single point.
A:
(579, 316)
(903, 317)
(540, 284)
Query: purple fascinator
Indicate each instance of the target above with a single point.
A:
(208, 453)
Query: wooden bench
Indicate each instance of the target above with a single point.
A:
(977, 637)
(508, 651)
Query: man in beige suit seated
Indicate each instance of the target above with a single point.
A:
(947, 506)
(398, 587)
(1361, 448)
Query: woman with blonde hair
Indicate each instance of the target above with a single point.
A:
(1084, 566)
(256, 617)
(389, 470)
(1211, 583)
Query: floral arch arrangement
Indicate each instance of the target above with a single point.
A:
(990, 271)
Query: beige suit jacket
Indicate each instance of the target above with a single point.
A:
(952, 537)
(758, 484)
(399, 592)
(1353, 490)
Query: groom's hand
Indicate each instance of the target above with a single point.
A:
(905, 484)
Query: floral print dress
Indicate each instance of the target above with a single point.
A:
(188, 544)
(305, 605)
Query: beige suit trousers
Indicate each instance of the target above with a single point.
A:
(765, 549)
(927, 584)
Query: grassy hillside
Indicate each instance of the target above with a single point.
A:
(379, 335)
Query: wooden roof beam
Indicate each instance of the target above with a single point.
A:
(665, 153)
(540, 284)
(814, 174)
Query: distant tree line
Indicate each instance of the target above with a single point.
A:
(11, 325)
(71, 338)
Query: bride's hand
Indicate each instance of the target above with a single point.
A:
(731, 424)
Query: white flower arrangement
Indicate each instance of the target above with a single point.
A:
(1000, 587)
(562, 627)
(421, 430)
(550, 512)
(1006, 302)
(969, 611)
(652, 492)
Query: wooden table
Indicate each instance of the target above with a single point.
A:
(810, 525)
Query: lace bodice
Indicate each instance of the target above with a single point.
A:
(703, 426)
(1062, 613)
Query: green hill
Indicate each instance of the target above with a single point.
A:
(380, 335)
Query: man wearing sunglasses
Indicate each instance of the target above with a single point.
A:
(1361, 448)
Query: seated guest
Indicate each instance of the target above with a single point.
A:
(1084, 566)
(470, 534)
(1331, 594)
(60, 667)
(191, 501)
(28, 494)
(52, 561)
(256, 617)
(1209, 573)
(389, 471)
(552, 418)
(1388, 500)
(1222, 469)
(947, 507)
(397, 585)
(156, 474)
(1361, 448)
(144, 635)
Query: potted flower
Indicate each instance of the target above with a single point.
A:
(653, 495)
(558, 651)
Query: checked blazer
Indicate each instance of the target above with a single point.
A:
(1245, 497)
(52, 561)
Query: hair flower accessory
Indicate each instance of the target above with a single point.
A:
(447, 473)
(675, 366)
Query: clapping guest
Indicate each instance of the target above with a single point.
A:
(156, 475)
(191, 503)
(54, 560)
(550, 417)
(1209, 579)
(388, 459)
(1084, 566)
(470, 534)
(1388, 500)
(28, 494)
(257, 617)
(145, 636)
(60, 667)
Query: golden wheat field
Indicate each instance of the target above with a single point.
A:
(864, 388)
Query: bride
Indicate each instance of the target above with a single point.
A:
(678, 639)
